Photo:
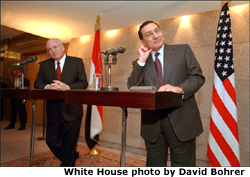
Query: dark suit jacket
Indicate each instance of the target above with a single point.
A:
(74, 75)
(180, 69)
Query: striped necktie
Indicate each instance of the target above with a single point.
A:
(158, 69)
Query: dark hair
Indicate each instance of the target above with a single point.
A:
(144, 24)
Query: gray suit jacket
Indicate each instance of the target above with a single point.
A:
(181, 68)
(74, 75)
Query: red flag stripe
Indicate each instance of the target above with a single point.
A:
(230, 89)
(225, 97)
(96, 50)
(227, 117)
(225, 131)
(100, 110)
(233, 160)
(212, 158)
(217, 152)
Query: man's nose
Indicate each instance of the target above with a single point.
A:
(155, 35)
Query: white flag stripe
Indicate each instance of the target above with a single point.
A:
(92, 71)
(225, 131)
(96, 124)
(226, 99)
(217, 151)
(232, 80)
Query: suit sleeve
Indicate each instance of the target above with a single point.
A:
(137, 75)
(81, 80)
(194, 79)
(39, 82)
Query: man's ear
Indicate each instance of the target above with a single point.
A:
(142, 43)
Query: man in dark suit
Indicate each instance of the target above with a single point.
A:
(176, 127)
(62, 72)
(18, 105)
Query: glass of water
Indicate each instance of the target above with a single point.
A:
(97, 78)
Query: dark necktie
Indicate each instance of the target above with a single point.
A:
(158, 69)
(58, 71)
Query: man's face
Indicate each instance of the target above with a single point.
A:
(56, 50)
(18, 73)
(152, 37)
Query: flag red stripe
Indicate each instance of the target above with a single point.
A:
(225, 114)
(222, 143)
(212, 158)
(230, 89)
(96, 51)
(100, 108)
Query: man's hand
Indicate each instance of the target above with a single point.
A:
(170, 88)
(144, 53)
(58, 85)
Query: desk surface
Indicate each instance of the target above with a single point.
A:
(125, 99)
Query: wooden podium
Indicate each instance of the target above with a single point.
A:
(123, 99)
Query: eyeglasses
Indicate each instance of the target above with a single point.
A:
(54, 47)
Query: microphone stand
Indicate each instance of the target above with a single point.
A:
(23, 69)
(109, 88)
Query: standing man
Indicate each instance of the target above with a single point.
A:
(172, 68)
(18, 105)
(62, 72)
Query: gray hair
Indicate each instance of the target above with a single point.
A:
(60, 42)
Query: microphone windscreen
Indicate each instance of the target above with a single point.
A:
(121, 49)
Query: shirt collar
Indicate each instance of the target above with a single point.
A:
(160, 51)
(62, 61)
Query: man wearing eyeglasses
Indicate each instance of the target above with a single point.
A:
(171, 68)
(62, 72)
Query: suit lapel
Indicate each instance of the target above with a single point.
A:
(51, 69)
(150, 68)
(169, 54)
(66, 68)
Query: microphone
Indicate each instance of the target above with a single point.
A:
(113, 51)
(104, 52)
(31, 59)
(120, 49)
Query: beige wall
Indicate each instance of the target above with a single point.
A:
(201, 36)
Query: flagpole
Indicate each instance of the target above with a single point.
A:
(93, 151)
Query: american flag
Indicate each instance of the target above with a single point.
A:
(223, 142)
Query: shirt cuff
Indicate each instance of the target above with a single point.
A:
(46, 86)
(140, 63)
